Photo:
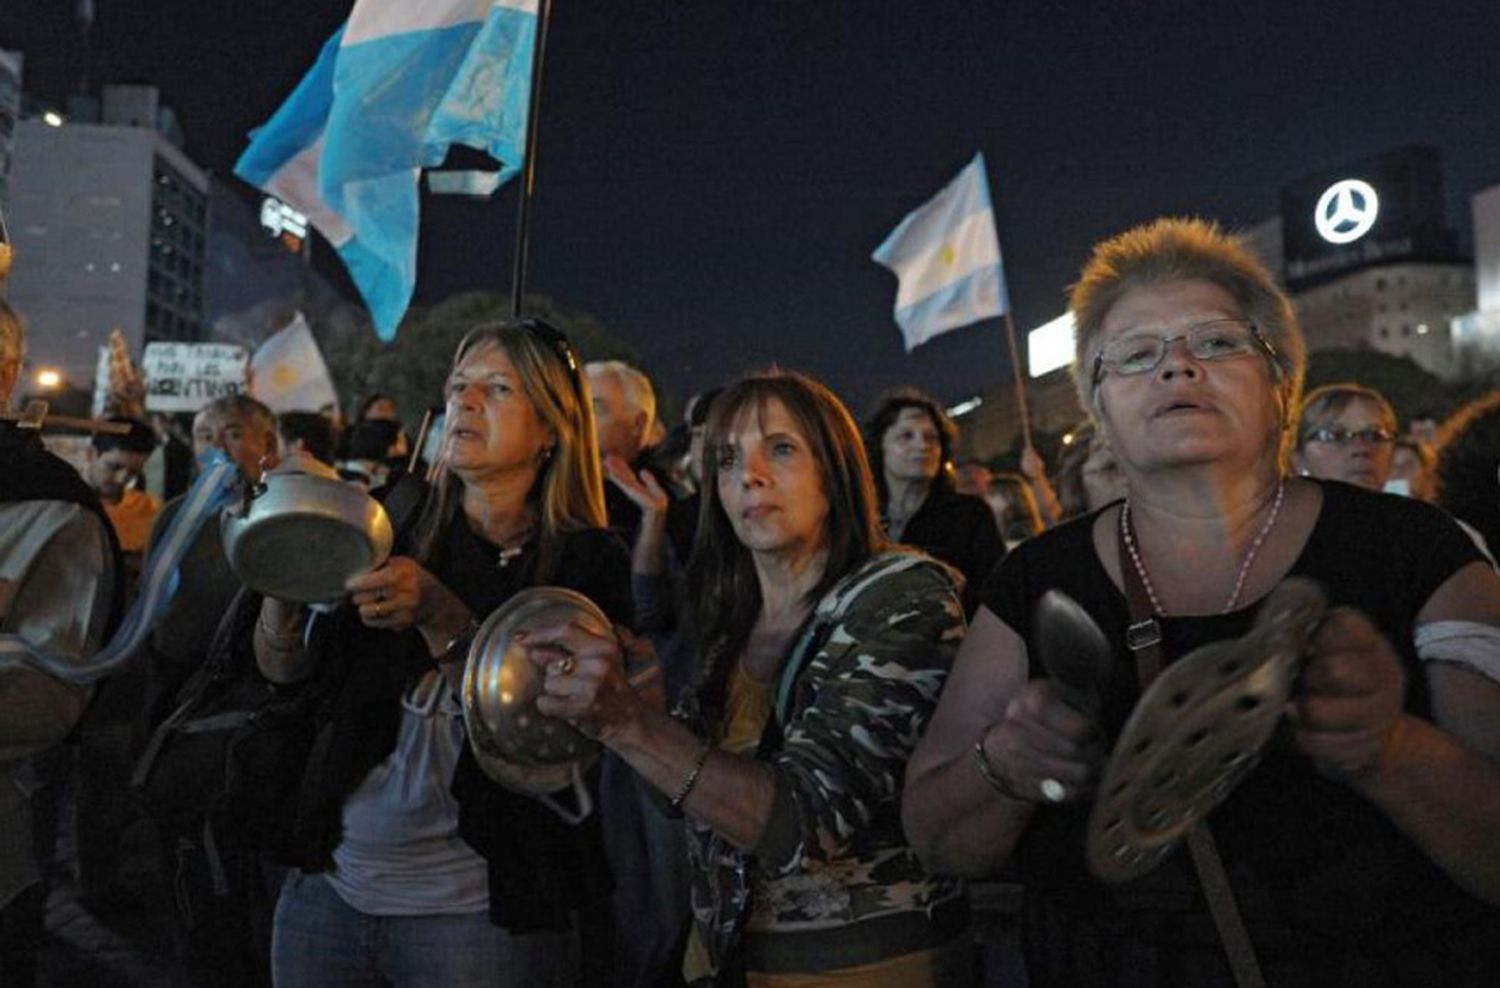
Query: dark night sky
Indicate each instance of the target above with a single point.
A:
(713, 175)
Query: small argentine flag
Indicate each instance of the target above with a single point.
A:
(946, 257)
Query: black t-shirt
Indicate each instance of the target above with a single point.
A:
(1323, 876)
(540, 868)
(593, 562)
(960, 530)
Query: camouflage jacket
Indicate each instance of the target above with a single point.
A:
(854, 697)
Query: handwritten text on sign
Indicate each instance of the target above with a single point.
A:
(183, 377)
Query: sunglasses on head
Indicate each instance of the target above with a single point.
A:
(558, 341)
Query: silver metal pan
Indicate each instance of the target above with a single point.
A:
(299, 536)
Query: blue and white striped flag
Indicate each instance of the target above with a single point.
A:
(390, 92)
(211, 493)
(946, 257)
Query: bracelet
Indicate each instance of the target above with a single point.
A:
(982, 761)
(691, 779)
(458, 646)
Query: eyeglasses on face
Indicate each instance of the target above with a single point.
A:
(1372, 434)
(1141, 352)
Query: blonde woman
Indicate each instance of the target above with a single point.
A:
(414, 868)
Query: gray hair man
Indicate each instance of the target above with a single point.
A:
(624, 408)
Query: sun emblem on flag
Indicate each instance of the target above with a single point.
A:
(283, 377)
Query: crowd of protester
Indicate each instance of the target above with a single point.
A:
(821, 714)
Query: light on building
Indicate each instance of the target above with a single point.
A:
(965, 407)
(1421, 329)
(48, 379)
(52, 118)
(1050, 346)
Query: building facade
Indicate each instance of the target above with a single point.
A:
(10, 113)
(110, 223)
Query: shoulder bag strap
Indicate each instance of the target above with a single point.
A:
(1143, 638)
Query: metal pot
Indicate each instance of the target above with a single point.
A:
(501, 685)
(299, 536)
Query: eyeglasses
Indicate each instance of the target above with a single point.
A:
(1373, 434)
(1217, 339)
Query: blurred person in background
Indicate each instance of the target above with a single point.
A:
(1347, 432)
(306, 435)
(383, 408)
(1087, 476)
(973, 478)
(369, 449)
(1411, 469)
(60, 591)
(211, 933)
(1466, 474)
(114, 471)
(1010, 497)
(910, 441)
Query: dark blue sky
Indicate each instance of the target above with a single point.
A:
(713, 175)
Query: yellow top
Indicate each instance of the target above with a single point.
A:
(132, 518)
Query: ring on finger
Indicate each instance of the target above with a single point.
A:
(1053, 791)
(379, 610)
(566, 665)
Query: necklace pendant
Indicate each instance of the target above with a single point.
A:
(506, 555)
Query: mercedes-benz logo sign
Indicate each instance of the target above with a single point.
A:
(1346, 211)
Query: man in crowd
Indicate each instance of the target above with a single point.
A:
(59, 593)
(114, 466)
(624, 413)
(646, 850)
(217, 919)
(244, 430)
(306, 436)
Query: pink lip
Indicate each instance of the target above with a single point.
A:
(758, 511)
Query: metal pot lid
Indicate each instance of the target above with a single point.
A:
(501, 684)
(1198, 730)
(302, 537)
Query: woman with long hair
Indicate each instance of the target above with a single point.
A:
(413, 867)
(822, 652)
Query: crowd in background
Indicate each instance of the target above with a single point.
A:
(748, 820)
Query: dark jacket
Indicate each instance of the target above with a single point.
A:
(540, 868)
(960, 530)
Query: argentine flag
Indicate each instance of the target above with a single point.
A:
(946, 257)
(390, 92)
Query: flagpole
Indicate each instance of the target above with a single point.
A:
(528, 167)
(1015, 366)
(1010, 336)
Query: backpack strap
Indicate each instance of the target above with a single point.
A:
(243, 609)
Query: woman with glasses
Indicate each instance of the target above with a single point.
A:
(1348, 433)
(822, 652)
(1360, 850)
(415, 868)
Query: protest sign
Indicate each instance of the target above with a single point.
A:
(183, 377)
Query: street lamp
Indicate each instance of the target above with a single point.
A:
(52, 118)
(48, 379)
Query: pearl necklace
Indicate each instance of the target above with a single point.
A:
(1127, 532)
